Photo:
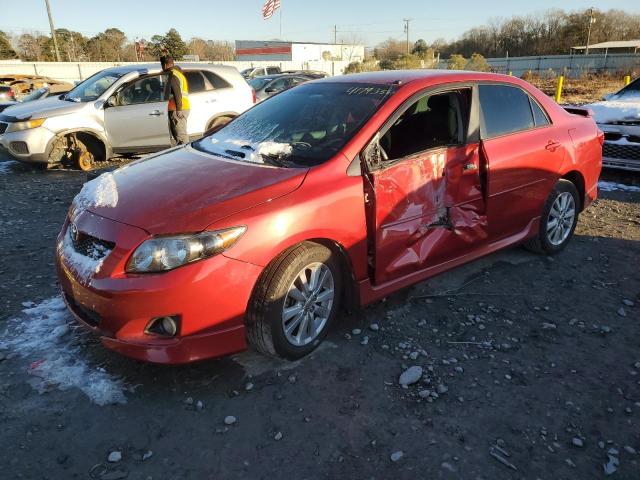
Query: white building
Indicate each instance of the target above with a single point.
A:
(254, 50)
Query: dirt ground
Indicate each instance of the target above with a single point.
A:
(531, 371)
(578, 91)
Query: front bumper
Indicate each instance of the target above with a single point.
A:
(621, 149)
(28, 146)
(211, 297)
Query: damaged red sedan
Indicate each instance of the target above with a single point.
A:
(337, 192)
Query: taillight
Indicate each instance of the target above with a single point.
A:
(10, 93)
(253, 94)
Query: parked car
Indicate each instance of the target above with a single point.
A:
(269, 85)
(619, 117)
(252, 72)
(24, 84)
(308, 73)
(39, 94)
(337, 192)
(120, 110)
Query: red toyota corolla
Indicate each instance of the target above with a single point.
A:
(339, 191)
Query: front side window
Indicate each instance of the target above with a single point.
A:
(143, 90)
(505, 109)
(259, 82)
(277, 85)
(433, 121)
(93, 87)
(301, 127)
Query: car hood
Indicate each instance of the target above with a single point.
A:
(46, 107)
(625, 108)
(184, 190)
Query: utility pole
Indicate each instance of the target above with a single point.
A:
(406, 30)
(53, 31)
(592, 20)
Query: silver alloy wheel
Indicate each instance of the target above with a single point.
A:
(561, 218)
(308, 304)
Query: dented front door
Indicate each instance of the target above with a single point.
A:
(428, 209)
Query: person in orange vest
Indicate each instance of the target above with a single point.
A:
(176, 90)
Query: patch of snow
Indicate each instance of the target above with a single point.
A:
(43, 335)
(617, 187)
(618, 110)
(274, 149)
(99, 192)
(85, 267)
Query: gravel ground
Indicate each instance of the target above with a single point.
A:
(525, 367)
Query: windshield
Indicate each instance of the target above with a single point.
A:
(631, 90)
(259, 82)
(36, 94)
(93, 87)
(300, 127)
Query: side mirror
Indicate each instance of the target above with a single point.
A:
(608, 96)
(372, 154)
(271, 90)
(110, 102)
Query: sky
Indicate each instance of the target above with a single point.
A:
(369, 21)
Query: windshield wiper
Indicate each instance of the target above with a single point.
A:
(277, 161)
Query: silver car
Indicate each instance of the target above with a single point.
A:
(120, 110)
(618, 116)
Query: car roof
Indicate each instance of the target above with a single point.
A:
(279, 75)
(389, 77)
(144, 68)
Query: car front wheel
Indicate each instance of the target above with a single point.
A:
(558, 221)
(295, 302)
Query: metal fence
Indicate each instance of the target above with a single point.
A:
(568, 65)
(76, 71)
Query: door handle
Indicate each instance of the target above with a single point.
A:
(156, 113)
(552, 145)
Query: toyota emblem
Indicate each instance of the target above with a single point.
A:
(74, 232)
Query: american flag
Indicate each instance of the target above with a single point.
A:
(269, 8)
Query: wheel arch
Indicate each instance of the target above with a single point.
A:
(218, 115)
(351, 299)
(94, 135)
(577, 179)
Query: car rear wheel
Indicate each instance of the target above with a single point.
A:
(295, 302)
(558, 221)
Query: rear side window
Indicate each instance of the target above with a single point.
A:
(215, 81)
(195, 80)
(272, 70)
(538, 115)
(505, 109)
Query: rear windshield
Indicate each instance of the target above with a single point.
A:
(301, 127)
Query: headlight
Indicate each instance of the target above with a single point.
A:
(18, 126)
(166, 253)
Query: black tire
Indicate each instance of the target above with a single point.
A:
(264, 320)
(541, 243)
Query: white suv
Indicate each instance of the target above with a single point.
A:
(120, 110)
